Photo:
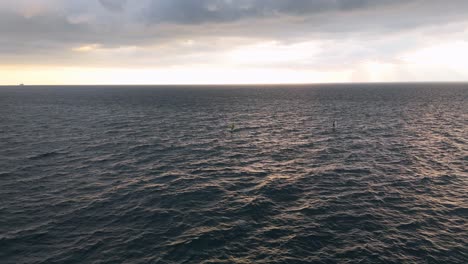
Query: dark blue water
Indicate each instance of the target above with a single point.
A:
(154, 174)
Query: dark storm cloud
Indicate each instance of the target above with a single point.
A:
(44, 27)
(206, 11)
(113, 5)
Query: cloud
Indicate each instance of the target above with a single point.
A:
(208, 11)
(169, 33)
(119, 22)
(113, 5)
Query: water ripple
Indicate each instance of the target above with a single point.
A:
(155, 175)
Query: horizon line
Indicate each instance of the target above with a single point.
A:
(242, 84)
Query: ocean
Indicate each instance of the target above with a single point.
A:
(234, 174)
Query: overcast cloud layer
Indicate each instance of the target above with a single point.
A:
(324, 35)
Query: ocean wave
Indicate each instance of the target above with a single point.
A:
(162, 179)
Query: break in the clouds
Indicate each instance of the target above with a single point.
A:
(242, 40)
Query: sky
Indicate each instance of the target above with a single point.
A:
(232, 41)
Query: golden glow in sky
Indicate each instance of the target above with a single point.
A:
(175, 75)
(261, 63)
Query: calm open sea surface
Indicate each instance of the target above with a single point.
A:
(154, 175)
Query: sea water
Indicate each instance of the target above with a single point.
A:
(213, 174)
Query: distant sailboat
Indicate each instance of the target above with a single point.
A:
(21, 84)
